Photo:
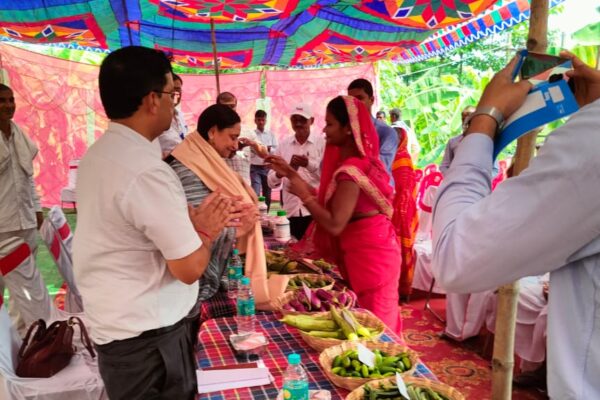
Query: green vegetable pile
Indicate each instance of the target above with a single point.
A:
(338, 324)
(348, 365)
(389, 391)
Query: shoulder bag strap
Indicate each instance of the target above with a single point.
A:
(41, 325)
(85, 339)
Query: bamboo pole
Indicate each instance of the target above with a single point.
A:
(1, 70)
(504, 342)
(214, 49)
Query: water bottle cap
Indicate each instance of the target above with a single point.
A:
(281, 213)
(236, 252)
(245, 280)
(294, 359)
(261, 198)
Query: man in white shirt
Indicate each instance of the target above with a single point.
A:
(303, 152)
(547, 219)
(258, 170)
(178, 129)
(20, 210)
(138, 250)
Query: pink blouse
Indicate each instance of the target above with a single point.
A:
(364, 204)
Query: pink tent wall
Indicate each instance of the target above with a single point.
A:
(59, 107)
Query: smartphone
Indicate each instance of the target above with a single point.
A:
(536, 65)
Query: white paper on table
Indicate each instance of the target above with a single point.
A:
(401, 386)
(365, 355)
(223, 379)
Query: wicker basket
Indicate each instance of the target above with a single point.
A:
(287, 297)
(313, 278)
(350, 383)
(368, 320)
(447, 391)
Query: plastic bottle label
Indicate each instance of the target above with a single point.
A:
(282, 231)
(295, 390)
(245, 307)
(263, 209)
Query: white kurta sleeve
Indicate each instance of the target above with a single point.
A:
(34, 196)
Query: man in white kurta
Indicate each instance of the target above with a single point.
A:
(546, 219)
(20, 210)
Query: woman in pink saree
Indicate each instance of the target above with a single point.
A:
(352, 209)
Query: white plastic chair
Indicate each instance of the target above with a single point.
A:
(67, 194)
(80, 380)
(423, 278)
(57, 235)
(24, 282)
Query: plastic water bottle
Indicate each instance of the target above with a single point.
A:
(234, 274)
(246, 317)
(262, 208)
(295, 380)
(282, 227)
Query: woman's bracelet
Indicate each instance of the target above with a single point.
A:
(204, 233)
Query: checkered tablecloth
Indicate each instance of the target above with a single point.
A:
(222, 306)
(214, 350)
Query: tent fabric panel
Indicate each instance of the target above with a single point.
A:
(274, 32)
(286, 89)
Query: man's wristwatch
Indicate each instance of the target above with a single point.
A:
(490, 111)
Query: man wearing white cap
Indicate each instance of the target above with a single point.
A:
(304, 152)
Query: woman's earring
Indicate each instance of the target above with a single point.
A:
(349, 133)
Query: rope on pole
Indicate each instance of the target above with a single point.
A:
(214, 47)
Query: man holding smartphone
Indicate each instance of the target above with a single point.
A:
(544, 220)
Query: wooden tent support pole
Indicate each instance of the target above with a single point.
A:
(214, 48)
(504, 343)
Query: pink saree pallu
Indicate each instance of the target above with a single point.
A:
(370, 254)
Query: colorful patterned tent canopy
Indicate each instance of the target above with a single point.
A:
(263, 32)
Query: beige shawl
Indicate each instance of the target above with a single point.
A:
(200, 157)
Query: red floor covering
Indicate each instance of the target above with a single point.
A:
(457, 364)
